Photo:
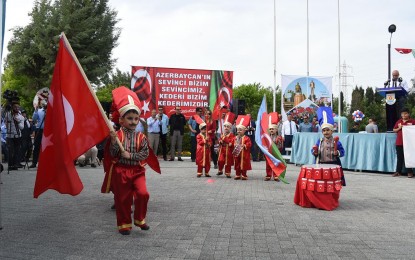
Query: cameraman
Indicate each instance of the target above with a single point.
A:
(14, 125)
(39, 121)
(26, 146)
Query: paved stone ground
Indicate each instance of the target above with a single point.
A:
(193, 218)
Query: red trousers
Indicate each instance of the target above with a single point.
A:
(130, 182)
(269, 171)
(227, 167)
(200, 168)
(238, 169)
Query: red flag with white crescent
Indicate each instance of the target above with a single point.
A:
(73, 124)
(403, 50)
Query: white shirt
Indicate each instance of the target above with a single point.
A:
(286, 128)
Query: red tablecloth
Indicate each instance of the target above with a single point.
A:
(318, 186)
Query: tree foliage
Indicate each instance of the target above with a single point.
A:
(116, 79)
(90, 26)
(253, 94)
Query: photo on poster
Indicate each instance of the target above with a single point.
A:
(302, 95)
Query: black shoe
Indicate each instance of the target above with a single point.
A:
(165, 158)
(171, 160)
(32, 166)
(215, 167)
(193, 160)
(93, 165)
(144, 227)
(180, 159)
(81, 165)
(125, 232)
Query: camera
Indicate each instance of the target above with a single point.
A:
(10, 96)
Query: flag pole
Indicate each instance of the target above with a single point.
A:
(69, 47)
(339, 124)
(2, 25)
(275, 63)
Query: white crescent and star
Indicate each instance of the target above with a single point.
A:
(141, 73)
(69, 117)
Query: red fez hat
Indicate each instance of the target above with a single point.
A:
(200, 121)
(243, 121)
(229, 118)
(273, 120)
(123, 100)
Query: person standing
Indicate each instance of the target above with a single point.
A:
(27, 146)
(315, 127)
(194, 131)
(250, 132)
(211, 132)
(164, 129)
(153, 124)
(289, 128)
(14, 125)
(203, 151)
(305, 126)
(38, 119)
(242, 149)
(127, 175)
(272, 130)
(404, 121)
(177, 122)
(226, 146)
(372, 127)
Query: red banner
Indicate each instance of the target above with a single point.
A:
(186, 88)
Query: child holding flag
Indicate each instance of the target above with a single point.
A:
(273, 120)
(225, 146)
(203, 151)
(127, 169)
(242, 149)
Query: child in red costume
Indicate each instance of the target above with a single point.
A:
(203, 151)
(127, 175)
(242, 149)
(273, 120)
(226, 146)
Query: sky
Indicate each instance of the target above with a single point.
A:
(238, 35)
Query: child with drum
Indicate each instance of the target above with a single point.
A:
(242, 149)
(328, 149)
(319, 185)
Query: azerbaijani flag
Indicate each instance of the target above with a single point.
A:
(2, 25)
(269, 148)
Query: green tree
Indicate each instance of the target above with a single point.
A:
(115, 79)
(253, 94)
(344, 106)
(90, 27)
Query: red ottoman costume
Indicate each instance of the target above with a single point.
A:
(203, 153)
(226, 147)
(125, 177)
(242, 149)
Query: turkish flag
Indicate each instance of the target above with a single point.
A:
(74, 123)
(403, 50)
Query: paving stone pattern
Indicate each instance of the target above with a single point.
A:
(210, 218)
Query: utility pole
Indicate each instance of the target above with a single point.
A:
(344, 80)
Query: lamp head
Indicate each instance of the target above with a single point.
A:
(392, 28)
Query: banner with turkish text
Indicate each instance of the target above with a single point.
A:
(185, 88)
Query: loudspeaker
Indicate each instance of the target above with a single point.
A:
(238, 106)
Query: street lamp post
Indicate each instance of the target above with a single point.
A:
(391, 29)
